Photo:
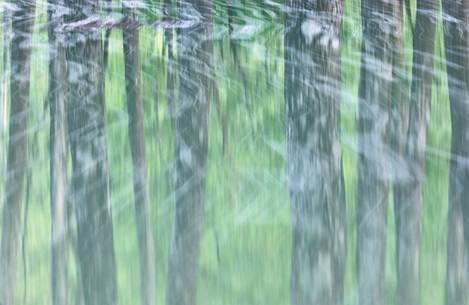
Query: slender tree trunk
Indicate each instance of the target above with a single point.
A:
(139, 159)
(90, 186)
(107, 34)
(400, 121)
(230, 10)
(400, 99)
(457, 285)
(4, 82)
(171, 73)
(20, 60)
(456, 33)
(373, 145)
(79, 295)
(195, 53)
(58, 154)
(409, 204)
(314, 160)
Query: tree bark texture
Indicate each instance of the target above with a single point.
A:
(20, 66)
(87, 136)
(408, 203)
(375, 92)
(314, 155)
(58, 155)
(139, 159)
(195, 69)
(456, 35)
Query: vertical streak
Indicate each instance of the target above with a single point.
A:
(20, 61)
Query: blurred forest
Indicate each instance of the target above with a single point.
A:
(187, 152)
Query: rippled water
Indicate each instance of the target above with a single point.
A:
(234, 152)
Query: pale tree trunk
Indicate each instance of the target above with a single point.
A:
(314, 155)
(456, 34)
(139, 158)
(58, 155)
(87, 136)
(409, 205)
(191, 111)
(373, 148)
(457, 285)
(20, 61)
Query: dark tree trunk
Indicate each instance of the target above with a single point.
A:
(373, 148)
(87, 136)
(409, 204)
(400, 99)
(314, 156)
(3, 81)
(20, 60)
(107, 34)
(58, 155)
(191, 135)
(456, 33)
(400, 123)
(170, 73)
(139, 159)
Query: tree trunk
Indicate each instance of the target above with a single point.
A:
(314, 158)
(409, 205)
(373, 148)
(139, 159)
(170, 73)
(3, 81)
(195, 68)
(107, 34)
(90, 187)
(20, 59)
(457, 285)
(400, 101)
(399, 130)
(456, 33)
(58, 153)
